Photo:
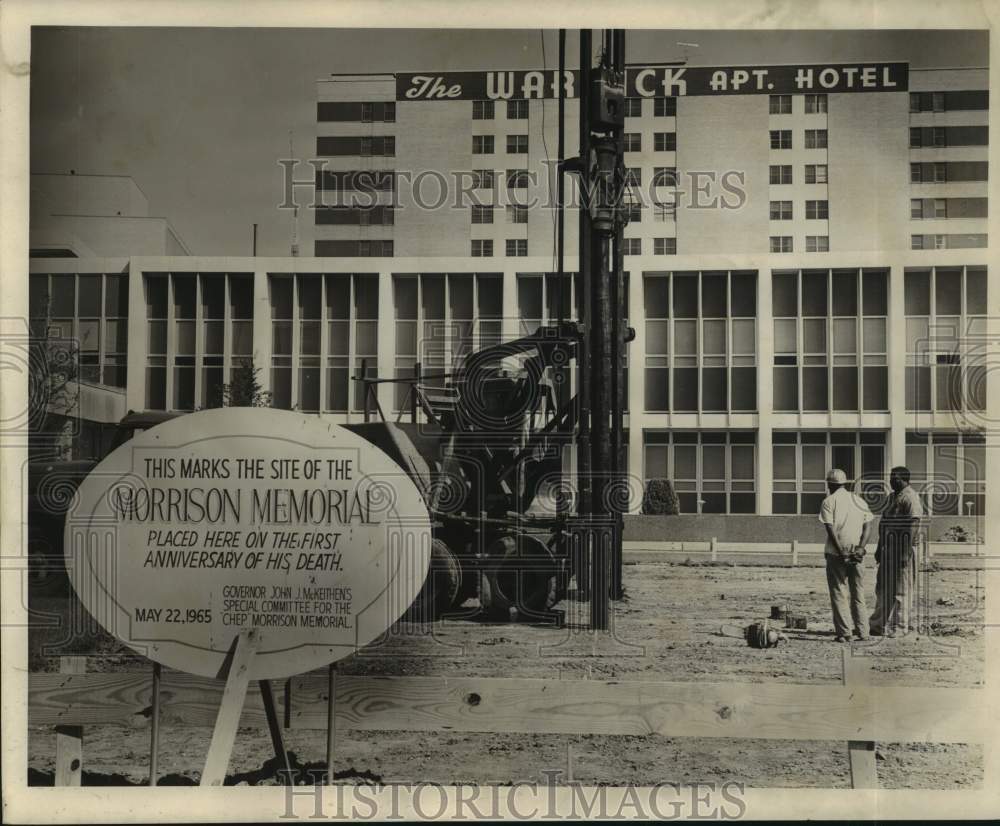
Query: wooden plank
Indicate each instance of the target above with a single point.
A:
(230, 709)
(69, 738)
(768, 710)
(126, 699)
(860, 753)
(765, 710)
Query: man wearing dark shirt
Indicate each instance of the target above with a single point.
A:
(898, 534)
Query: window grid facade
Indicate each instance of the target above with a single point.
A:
(440, 318)
(323, 328)
(827, 354)
(87, 313)
(200, 329)
(802, 459)
(712, 472)
(946, 338)
(948, 470)
(701, 341)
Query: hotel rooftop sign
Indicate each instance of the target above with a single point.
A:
(660, 81)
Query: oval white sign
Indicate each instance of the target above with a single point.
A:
(240, 518)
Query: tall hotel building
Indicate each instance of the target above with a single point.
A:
(806, 259)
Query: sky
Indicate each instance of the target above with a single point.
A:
(199, 117)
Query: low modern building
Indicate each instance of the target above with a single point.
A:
(807, 272)
(82, 217)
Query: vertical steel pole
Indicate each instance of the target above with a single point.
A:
(585, 311)
(561, 251)
(560, 181)
(617, 351)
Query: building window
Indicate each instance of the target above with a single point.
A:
(538, 303)
(517, 178)
(665, 176)
(483, 178)
(916, 208)
(916, 242)
(664, 246)
(780, 174)
(482, 110)
(914, 102)
(665, 141)
(440, 319)
(781, 243)
(482, 248)
(84, 318)
(948, 470)
(633, 107)
(664, 212)
(802, 459)
(816, 139)
(781, 211)
(712, 471)
(701, 334)
(664, 107)
(945, 310)
(940, 208)
(517, 110)
(517, 214)
(389, 112)
(940, 173)
(367, 112)
(633, 141)
(316, 314)
(938, 136)
(781, 139)
(815, 104)
(816, 173)
(633, 213)
(937, 101)
(632, 246)
(780, 105)
(482, 144)
(538, 299)
(830, 345)
(916, 173)
(819, 210)
(200, 328)
(633, 177)
(939, 242)
(517, 144)
(482, 214)
(817, 243)
(517, 247)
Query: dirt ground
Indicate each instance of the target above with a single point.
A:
(680, 621)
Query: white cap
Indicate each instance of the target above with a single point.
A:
(837, 476)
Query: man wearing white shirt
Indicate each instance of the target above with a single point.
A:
(848, 522)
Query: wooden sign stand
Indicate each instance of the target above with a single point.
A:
(233, 696)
